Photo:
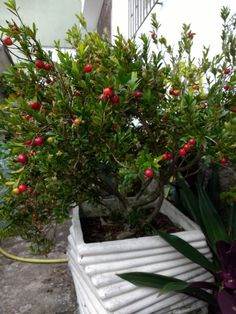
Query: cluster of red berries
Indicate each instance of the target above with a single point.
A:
(167, 156)
(36, 142)
(20, 189)
(107, 95)
(186, 147)
(7, 41)
(23, 159)
(226, 72)
(39, 64)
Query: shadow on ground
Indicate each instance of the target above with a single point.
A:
(36, 288)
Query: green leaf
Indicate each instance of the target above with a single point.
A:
(82, 20)
(174, 286)
(160, 281)
(190, 201)
(11, 4)
(214, 228)
(148, 279)
(188, 251)
(232, 221)
(133, 82)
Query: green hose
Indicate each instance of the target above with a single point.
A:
(32, 260)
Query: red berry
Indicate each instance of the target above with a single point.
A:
(165, 156)
(22, 158)
(103, 97)
(107, 91)
(76, 93)
(176, 92)
(182, 152)
(195, 86)
(153, 35)
(148, 173)
(233, 109)
(192, 141)
(190, 35)
(226, 87)
(47, 66)
(170, 156)
(7, 41)
(227, 71)
(32, 152)
(22, 188)
(224, 160)
(171, 92)
(38, 141)
(234, 199)
(88, 68)
(28, 143)
(165, 117)
(35, 106)
(39, 64)
(27, 117)
(137, 94)
(187, 147)
(115, 99)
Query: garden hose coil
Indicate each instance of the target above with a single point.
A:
(32, 260)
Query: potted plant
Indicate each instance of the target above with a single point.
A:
(222, 241)
(106, 120)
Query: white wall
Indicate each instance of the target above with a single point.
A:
(120, 17)
(203, 15)
(52, 17)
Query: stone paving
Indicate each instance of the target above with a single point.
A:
(36, 288)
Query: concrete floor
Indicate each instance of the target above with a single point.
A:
(36, 288)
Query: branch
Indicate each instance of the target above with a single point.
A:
(191, 163)
(152, 197)
(110, 189)
(150, 133)
(143, 188)
(157, 208)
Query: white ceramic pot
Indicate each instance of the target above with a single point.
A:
(94, 267)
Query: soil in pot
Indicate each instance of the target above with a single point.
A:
(98, 229)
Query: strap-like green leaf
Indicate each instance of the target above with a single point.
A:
(167, 284)
(188, 251)
(214, 227)
(174, 286)
(232, 222)
(189, 201)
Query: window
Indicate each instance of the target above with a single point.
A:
(138, 12)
